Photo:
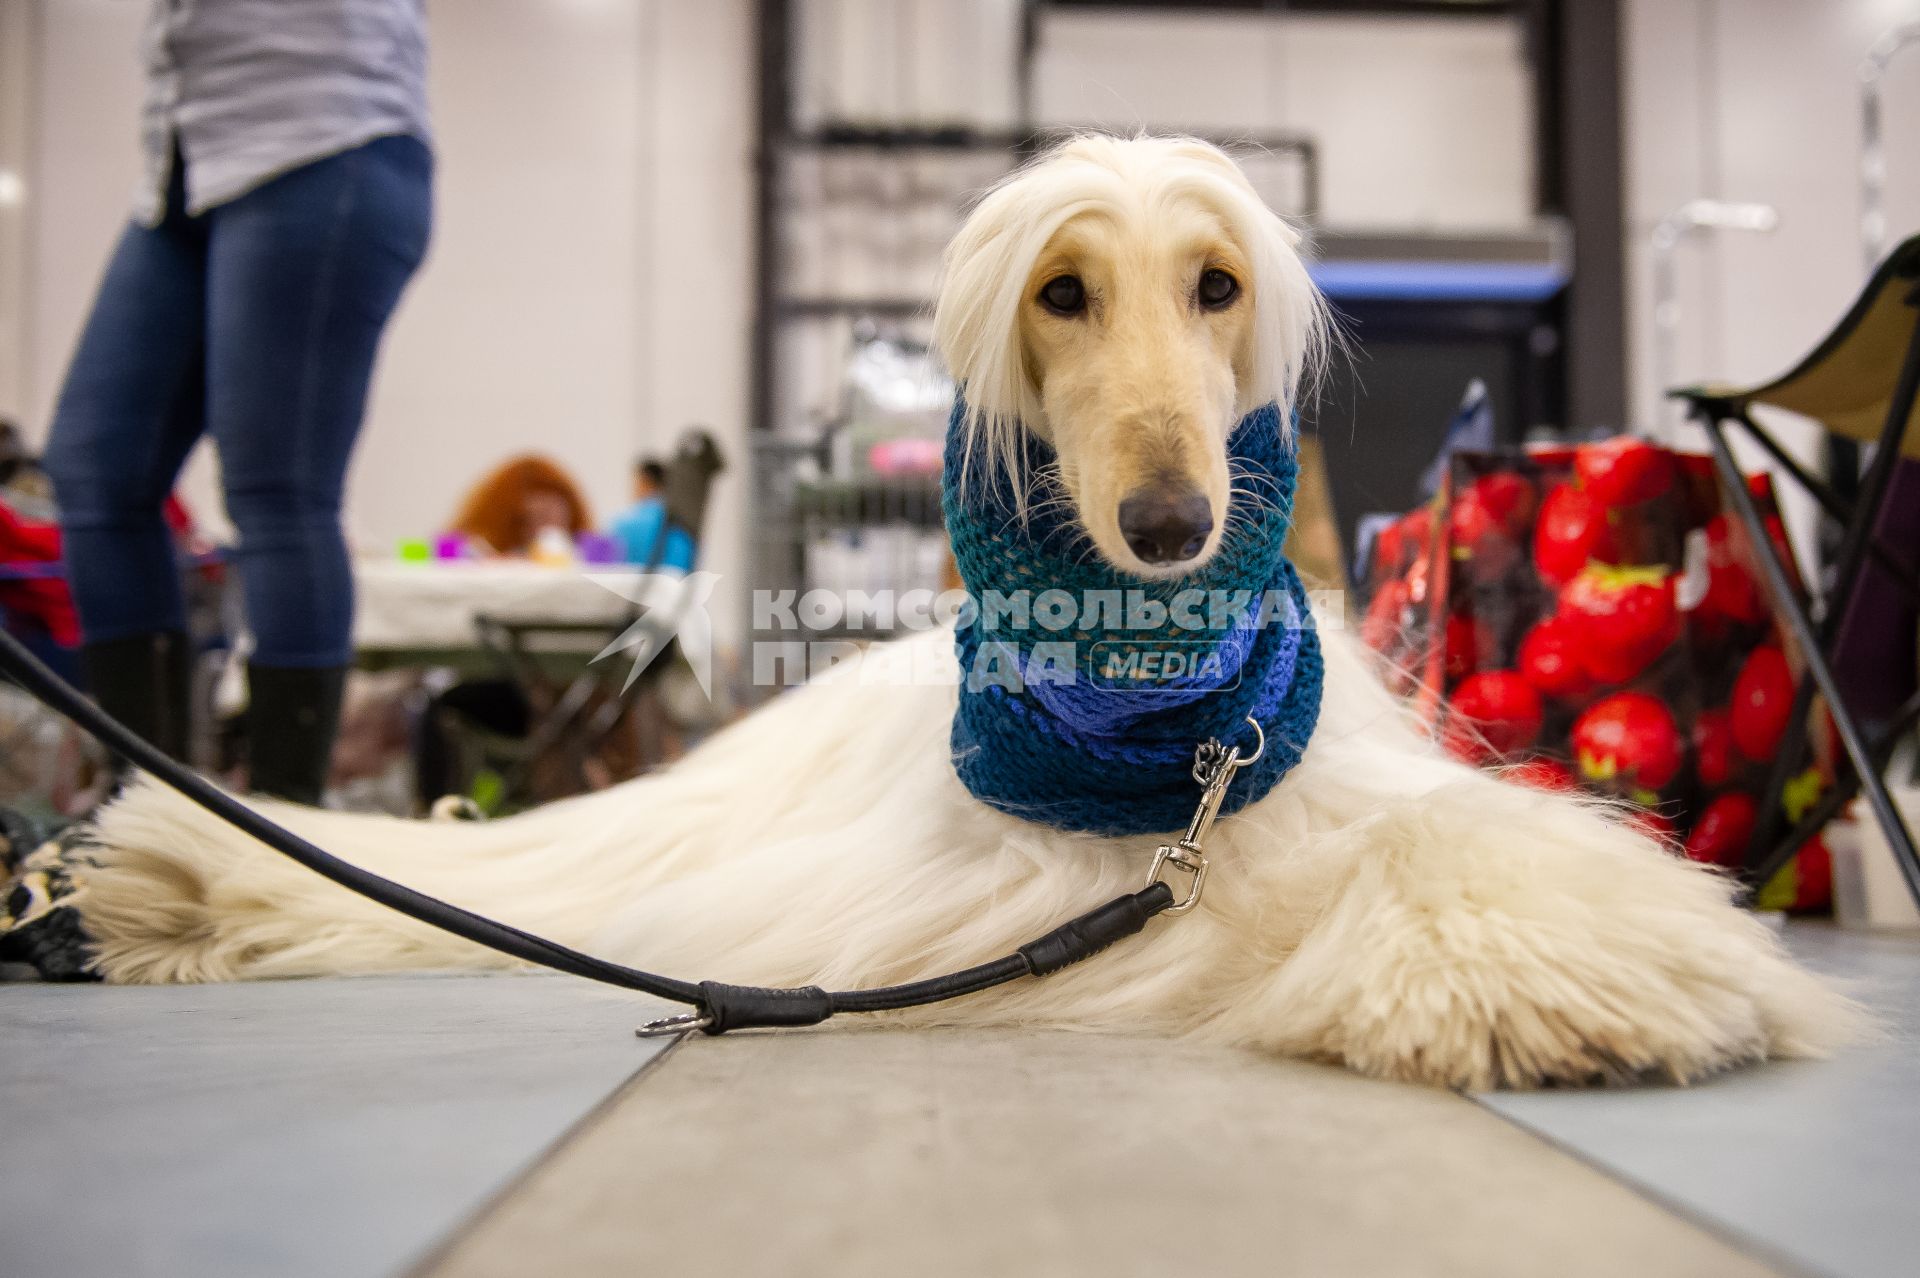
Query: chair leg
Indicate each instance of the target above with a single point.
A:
(1842, 792)
(1785, 765)
(1809, 638)
(548, 731)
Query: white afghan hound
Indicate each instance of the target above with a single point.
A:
(1383, 906)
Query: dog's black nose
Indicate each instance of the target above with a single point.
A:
(1165, 525)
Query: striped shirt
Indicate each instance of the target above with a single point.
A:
(251, 89)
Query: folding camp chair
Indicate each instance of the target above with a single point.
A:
(1861, 383)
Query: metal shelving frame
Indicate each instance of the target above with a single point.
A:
(776, 454)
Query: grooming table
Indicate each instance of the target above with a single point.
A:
(537, 627)
(403, 607)
(444, 605)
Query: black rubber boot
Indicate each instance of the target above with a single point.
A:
(146, 682)
(292, 716)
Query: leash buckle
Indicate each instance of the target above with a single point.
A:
(1181, 856)
(1214, 766)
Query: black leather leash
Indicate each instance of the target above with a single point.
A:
(717, 1007)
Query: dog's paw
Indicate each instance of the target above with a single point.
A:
(1553, 946)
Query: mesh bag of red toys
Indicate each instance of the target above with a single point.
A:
(1591, 617)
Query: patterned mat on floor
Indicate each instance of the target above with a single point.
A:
(43, 879)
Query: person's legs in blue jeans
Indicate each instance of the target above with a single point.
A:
(128, 414)
(303, 274)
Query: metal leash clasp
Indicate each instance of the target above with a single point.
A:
(1214, 766)
(684, 1023)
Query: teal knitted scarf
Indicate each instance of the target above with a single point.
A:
(1084, 690)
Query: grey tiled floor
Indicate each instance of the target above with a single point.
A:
(1816, 1163)
(350, 1128)
(324, 1128)
(1035, 1154)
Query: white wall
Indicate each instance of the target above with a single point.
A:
(587, 289)
(1421, 123)
(696, 233)
(16, 133)
(915, 61)
(1757, 100)
(522, 331)
(81, 165)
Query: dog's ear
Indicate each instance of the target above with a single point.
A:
(1291, 328)
(976, 323)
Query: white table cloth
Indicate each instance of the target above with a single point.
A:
(412, 606)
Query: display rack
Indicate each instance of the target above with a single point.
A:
(892, 194)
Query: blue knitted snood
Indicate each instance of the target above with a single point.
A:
(1083, 690)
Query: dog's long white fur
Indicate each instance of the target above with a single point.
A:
(1384, 907)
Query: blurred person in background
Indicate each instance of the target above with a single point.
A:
(520, 505)
(286, 202)
(21, 477)
(641, 530)
(36, 607)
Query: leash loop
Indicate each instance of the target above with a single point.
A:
(1214, 766)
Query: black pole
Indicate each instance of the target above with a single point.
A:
(774, 114)
(1579, 150)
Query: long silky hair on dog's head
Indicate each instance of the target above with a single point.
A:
(1150, 215)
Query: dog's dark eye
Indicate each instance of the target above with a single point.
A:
(1064, 295)
(1217, 288)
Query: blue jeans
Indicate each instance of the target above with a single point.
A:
(256, 323)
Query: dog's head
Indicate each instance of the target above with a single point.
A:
(1129, 300)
